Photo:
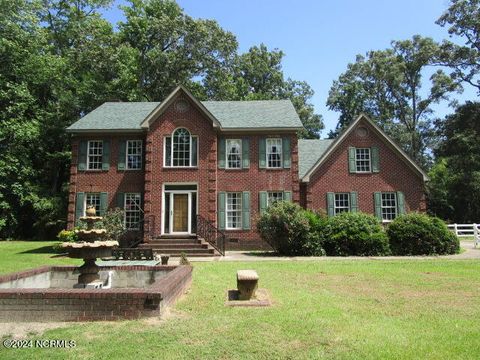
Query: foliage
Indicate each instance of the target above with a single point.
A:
(257, 75)
(113, 222)
(420, 234)
(287, 228)
(463, 19)
(67, 236)
(455, 183)
(183, 259)
(386, 85)
(357, 234)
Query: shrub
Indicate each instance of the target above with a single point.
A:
(355, 234)
(420, 234)
(287, 228)
(113, 222)
(67, 236)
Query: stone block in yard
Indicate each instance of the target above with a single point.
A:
(247, 283)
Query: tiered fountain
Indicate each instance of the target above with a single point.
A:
(90, 247)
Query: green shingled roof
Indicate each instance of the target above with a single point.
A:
(230, 114)
(309, 152)
(254, 114)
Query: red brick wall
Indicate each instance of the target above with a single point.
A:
(255, 180)
(111, 181)
(395, 175)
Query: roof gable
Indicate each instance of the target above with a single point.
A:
(380, 133)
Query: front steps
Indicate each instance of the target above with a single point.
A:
(174, 246)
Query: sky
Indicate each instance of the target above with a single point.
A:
(320, 37)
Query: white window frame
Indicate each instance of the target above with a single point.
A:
(91, 147)
(86, 203)
(171, 150)
(139, 154)
(137, 210)
(366, 162)
(276, 141)
(227, 153)
(337, 209)
(274, 194)
(238, 210)
(394, 206)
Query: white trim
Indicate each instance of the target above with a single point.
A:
(170, 98)
(126, 155)
(162, 212)
(241, 210)
(171, 150)
(348, 130)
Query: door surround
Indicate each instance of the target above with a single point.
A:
(178, 188)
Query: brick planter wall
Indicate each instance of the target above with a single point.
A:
(45, 305)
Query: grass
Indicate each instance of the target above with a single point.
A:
(328, 309)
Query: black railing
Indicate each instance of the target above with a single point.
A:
(135, 235)
(207, 231)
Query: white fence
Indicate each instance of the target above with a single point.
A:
(467, 230)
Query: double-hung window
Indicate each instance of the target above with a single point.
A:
(389, 206)
(234, 210)
(274, 153)
(362, 160)
(92, 199)
(94, 154)
(274, 196)
(234, 153)
(181, 149)
(132, 210)
(342, 202)
(134, 154)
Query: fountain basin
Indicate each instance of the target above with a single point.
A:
(46, 294)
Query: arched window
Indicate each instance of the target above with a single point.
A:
(181, 149)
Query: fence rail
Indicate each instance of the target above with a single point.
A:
(467, 230)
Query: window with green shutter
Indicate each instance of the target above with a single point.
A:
(79, 207)
(287, 196)
(246, 210)
(287, 156)
(375, 159)
(82, 155)
(331, 204)
(245, 153)
(263, 201)
(122, 154)
(120, 200)
(106, 155)
(103, 203)
(221, 153)
(389, 205)
(353, 201)
(262, 153)
(221, 202)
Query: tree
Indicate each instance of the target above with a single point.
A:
(258, 75)
(457, 176)
(463, 19)
(387, 86)
(163, 47)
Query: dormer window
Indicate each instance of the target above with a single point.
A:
(181, 149)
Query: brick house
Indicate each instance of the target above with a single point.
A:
(172, 164)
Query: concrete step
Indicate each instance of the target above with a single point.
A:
(174, 241)
(175, 246)
(188, 252)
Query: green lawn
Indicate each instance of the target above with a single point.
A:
(327, 309)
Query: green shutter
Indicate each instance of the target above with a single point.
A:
(262, 153)
(245, 153)
(221, 153)
(103, 203)
(82, 155)
(122, 154)
(106, 155)
(194, 151)
(287, 161)
(120, 200)
(400, 203)
(352, 165)
(378, 205)
(287, 196)
(221, 210)
(375, 160)
(353, 201)
(246, 210)
(79, 206)
(263, 196)
(331, 204)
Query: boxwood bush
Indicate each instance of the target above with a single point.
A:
(420, 234)
(355, 234)
(288, 229)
